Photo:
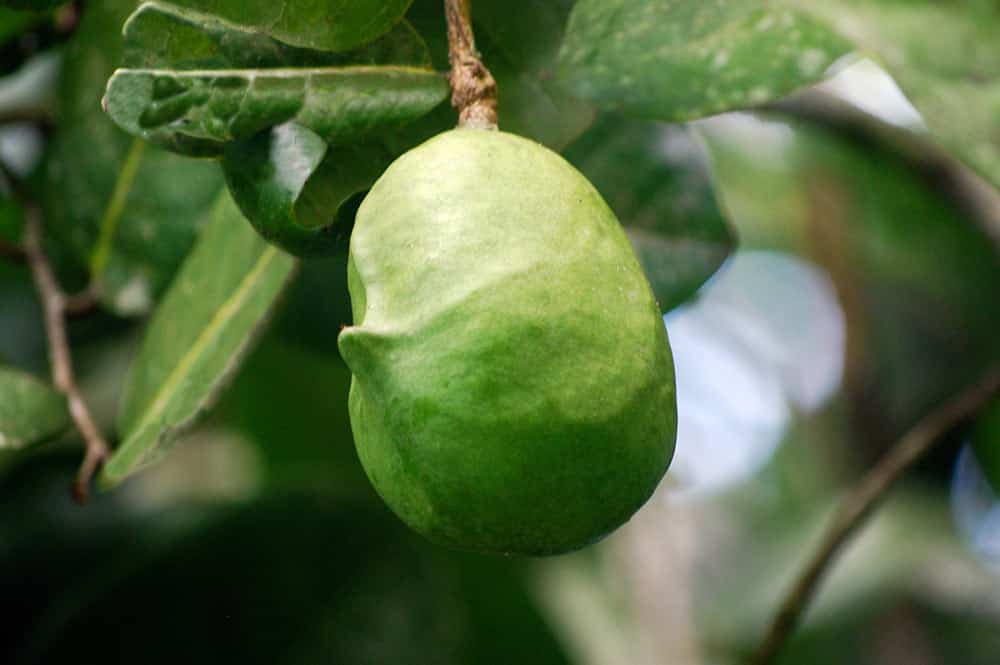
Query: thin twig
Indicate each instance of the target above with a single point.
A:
(859, 504)
(55, 306)
(473, 88)
(82, 303)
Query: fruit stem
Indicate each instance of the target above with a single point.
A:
(473, 88)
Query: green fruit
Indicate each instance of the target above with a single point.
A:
(513, 385)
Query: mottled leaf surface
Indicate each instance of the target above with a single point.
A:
(30, 411)
(127, 211)
(297, 191)
(197, 337)
(195, 82)
(946, 58)
(656, 179)
(325, 25)
(683, 59)
(200, 110)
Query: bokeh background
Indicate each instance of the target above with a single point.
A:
(865, 291)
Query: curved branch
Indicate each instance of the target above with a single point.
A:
(977, 198)
(860, 503)
(56, 305)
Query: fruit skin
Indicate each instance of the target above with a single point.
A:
(513, 387)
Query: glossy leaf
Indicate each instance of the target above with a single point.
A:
(299, 193)
(198, 336)
(197, 111)
(127, 211)
(159, 35)
(328, 26)
(30, 411)
(520, 47)
(683, 59)
(946, 58)
(656, 179)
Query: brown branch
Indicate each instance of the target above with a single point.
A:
(83, 302)
(860, 503)
(39, 116)
(56, 305)
(975, 197)
(473, 88)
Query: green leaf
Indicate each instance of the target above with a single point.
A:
(198, 111)
(520, 48)
(13, 22)
(127, 211)
(946, 58)
(299, 193)
(11, 220)
(33, 5)
(162, 36)
(30, 411)
(683, 59)
(197, 337)
(915, 274)
(656, 179)
(297, 578)
(167, 97)
(986, 443)
(325, 25)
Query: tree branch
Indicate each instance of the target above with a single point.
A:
(56, 305)
(975, 197)
(859, 504)
(473, 88)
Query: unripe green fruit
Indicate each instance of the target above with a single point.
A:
(513, 385)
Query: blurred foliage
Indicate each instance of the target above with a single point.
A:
(127, 211)
(259, 539)
(31, 411)
(221, 296)
(897, 630)
(986, 443)
(945, 57)
(916, 277)
(290, 577)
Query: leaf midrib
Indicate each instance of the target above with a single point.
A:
(280, 72)
(182, 369)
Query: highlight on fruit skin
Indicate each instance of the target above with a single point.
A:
(513, 387)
